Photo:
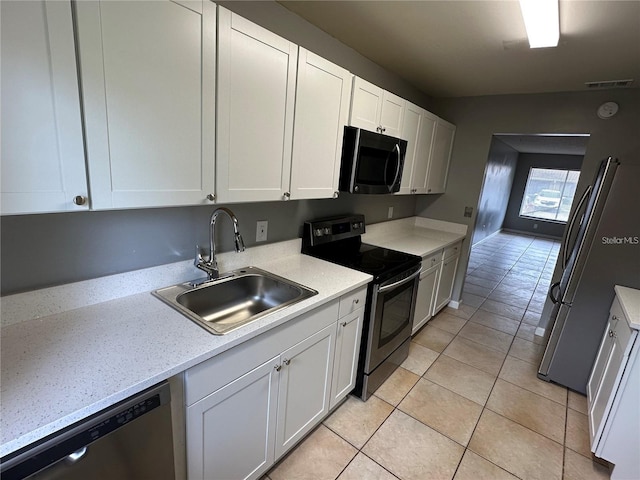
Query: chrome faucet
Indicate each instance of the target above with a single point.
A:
(210, 265)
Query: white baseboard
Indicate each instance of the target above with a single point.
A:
(540, 331)
(454, 304)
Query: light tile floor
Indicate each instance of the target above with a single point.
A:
(466, 404)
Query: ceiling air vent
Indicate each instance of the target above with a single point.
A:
(610, 84)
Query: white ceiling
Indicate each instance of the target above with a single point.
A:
(460, 48)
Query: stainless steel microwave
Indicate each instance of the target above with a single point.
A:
(371, 162)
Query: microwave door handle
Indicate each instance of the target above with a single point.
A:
(395, 178)
(401, 282)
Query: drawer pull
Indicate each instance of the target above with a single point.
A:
(287, 361)
(611, 334)
(614, 318)
(344, 324)
(278, 368)
(356, 301)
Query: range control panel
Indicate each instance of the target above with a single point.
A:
(331, 229)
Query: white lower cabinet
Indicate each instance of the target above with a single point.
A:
(305, 386)
(613, 394)
(231, 432)
(426, 296)
(436, 284)
(346, 357)
(248, 406)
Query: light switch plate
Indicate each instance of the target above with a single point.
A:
(261, 231)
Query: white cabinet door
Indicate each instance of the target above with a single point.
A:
(366, 105)
(148, 80)
(230, 433)
(440, 156)
(345, 364)
(256, 92)
(602, 383)
(445, 283)
(411, 133)
(423, 153)
(426, 297)
(305, 387)
(375, 109)
(43, 164)
(323, 93)
(392, 114)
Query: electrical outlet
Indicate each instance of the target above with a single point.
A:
(535, 226)
(390, 214)
(468, 211)
(261, 231)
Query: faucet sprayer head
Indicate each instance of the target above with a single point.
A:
(239, 242)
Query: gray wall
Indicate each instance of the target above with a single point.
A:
(526, 161)
(44, 250)
(498, 179)
(478, 118)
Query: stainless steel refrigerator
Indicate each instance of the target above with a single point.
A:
(600, 250)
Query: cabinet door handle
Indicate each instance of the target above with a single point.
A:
(356, 301)
(611, 334)
(344, 324)
(336, 194)
(79, 200)
(278, 368)
(614, 318)
(286, 196)
(211, 197)
(286, 361)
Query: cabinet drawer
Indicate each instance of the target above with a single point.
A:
(216, 372)
(452, 250)
(352, 301)
(431, 260)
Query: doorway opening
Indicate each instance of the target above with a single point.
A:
(529, 184)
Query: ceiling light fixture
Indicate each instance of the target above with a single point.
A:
(542, 21)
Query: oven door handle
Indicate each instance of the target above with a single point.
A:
(401, 282)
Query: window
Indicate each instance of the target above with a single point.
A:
(549, 193)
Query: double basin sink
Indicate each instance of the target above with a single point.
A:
(235, 299)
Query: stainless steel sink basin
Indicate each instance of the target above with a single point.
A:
(235, 299)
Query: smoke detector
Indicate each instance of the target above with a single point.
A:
(607, 110)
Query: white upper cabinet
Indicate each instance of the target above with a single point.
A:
(418, 130)
(148, 80)
(411, 133)
(256, 93)
(43, 167)
(440, 156)
(392, 114)
(375, 109)
(323, 93)
(422, 166)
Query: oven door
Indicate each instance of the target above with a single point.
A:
(392, 309)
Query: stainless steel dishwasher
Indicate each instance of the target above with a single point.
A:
(130, 440)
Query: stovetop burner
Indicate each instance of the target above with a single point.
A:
(380, 262)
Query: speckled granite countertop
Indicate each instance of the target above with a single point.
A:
(84, 350)
(415, 235)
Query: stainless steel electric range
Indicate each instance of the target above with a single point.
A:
(391, 296)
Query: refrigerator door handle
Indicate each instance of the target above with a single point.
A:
(565, 246)
(554, 286)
